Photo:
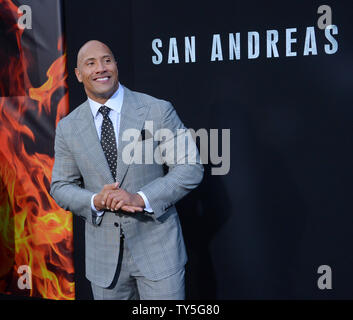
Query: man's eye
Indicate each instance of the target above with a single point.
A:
(107, 60)
(90, 63)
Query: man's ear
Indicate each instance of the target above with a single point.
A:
(78, 75)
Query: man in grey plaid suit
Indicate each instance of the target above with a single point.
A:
(134, 242)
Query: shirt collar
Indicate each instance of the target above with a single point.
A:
(115, 102)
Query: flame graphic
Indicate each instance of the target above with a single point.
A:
(34, 231)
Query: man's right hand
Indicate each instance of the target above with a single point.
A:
(99, 201)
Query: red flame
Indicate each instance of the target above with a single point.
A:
(34, 231)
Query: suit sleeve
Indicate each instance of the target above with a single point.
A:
(66, 184)
(185, 169)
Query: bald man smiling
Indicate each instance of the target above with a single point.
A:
(133, 238)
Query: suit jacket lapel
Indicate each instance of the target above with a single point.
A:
(89, 137)
(133, 114)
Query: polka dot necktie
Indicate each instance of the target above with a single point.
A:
(108, 140)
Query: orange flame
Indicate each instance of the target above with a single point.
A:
(34, 231)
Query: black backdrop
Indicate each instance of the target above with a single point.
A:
(284, 208)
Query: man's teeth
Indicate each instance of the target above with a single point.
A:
(102, 79)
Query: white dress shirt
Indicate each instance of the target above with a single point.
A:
(114, 103)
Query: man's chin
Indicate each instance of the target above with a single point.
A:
(106, 94)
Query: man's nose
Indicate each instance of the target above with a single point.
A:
(100, 67)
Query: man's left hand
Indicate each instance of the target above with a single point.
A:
(120, 197)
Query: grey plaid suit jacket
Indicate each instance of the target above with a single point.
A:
(80, 170)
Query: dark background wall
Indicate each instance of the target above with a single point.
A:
(284, 209)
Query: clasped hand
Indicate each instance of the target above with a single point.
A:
(113, 198)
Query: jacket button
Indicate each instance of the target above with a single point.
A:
(116, 224)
